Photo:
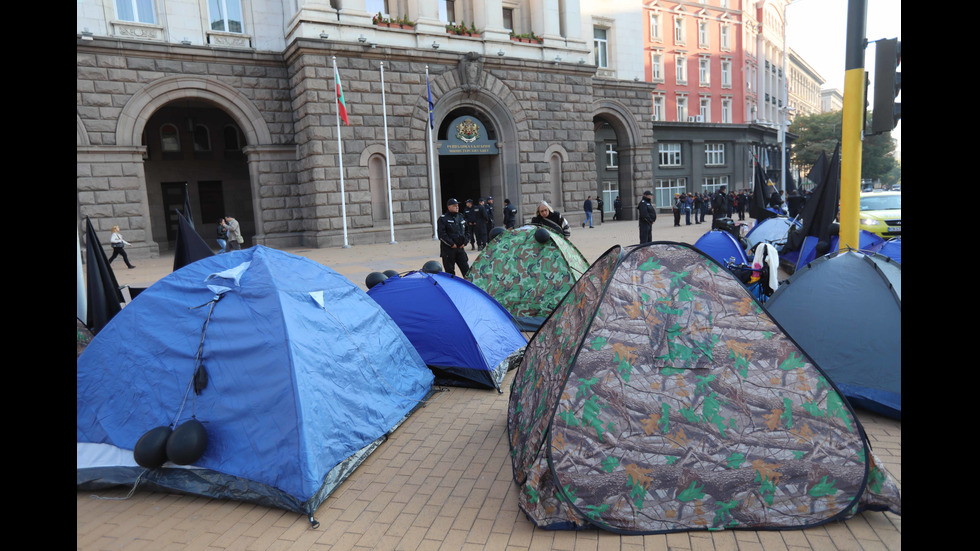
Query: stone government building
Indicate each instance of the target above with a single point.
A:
(234, 101)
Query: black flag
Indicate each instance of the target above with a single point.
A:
(820, 210)
(190, 246)
(104, 296)
(762, 189)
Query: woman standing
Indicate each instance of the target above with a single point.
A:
(547, 216)
(119, 247)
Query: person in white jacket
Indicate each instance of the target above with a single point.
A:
(119, 247)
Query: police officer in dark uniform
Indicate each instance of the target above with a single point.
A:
(478, 223)
(469, 214)
(489, 210)
(454, 234)
(510, 214)
(647, 215)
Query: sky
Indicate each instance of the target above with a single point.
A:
(817, 31)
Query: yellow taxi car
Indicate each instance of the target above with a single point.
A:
(881, 213)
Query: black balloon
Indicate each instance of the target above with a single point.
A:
(187, 443)
(374, 278)
(432, 267)
(150, 451)
(496, 231)
(391, 273)
(542, 235)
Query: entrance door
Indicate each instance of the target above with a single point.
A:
(173, 200)
(459, 178)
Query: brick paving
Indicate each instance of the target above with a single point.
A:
(443, 479)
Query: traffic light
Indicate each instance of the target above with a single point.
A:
(888, 84)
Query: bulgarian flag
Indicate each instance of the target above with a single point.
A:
(341, 104)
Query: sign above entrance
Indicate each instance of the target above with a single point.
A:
(467, 136)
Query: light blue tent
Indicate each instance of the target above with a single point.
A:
(305, 376)
(461, 332)
(771, 230)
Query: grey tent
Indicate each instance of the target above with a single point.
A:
(845, 310)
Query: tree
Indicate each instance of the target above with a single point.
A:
(820, 132)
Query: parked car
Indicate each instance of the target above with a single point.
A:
(881, 213)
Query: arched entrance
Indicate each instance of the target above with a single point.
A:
(194, 148)
(467, 175)
(616, 139)
(205, 137)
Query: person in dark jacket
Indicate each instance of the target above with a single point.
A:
(489, 210)
(647, 215)
(617, 209)
(719, 204)
(510, 215)
(547, 216)
(454, 234)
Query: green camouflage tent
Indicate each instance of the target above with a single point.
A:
(525, 276)
(659, 396)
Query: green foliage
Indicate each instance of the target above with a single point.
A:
(820, 133)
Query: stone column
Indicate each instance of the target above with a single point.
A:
(272, 178)
(544, 19)
(489, 17)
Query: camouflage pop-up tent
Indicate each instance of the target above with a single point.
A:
(527, 277)
(659, 396)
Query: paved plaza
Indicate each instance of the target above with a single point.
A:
(443, 479)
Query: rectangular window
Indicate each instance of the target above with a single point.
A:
(655, 27)
(447, 11)
(712, 184)
(726, 110)
(612, 156)
(375, 7)
(137, 11)
(658, 108)
(681, 109)
(703, 34)
(226, 16)
(704, 71)
(656, 67)
(714, 154)
(678, 30)
(610, 191)
(509, 19)
(726, 40)
(670, 154)
(600, 44)
(704, 114)
(667, 187)
(681, 68)
(726, 73)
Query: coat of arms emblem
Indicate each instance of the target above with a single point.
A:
(467, 131)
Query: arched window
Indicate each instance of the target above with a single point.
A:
(377, 175)
(556, 187)
(233, 141)
(202, 138)
(169, 138)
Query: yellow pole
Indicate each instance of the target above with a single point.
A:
(850, 155)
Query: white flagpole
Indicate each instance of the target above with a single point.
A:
(384, 114)
(340, 154)
(432, 173)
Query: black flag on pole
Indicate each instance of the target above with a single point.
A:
(104, 295)
(190, 246)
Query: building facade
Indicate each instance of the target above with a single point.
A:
(720, 98)
(804, 87)
(235, 104)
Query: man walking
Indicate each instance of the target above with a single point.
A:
(647, 215)
(234, 231)
(588, 211)
(454, 234)
(602, 213)
(719, 205)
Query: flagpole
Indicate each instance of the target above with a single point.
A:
(432, 174)
(340, 153)
(384, 115)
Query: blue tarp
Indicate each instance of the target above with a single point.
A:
(304, 371)
(459, 330)
(845, 310)
(722, 247)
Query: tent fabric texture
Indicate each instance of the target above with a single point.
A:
(660, 397)
(294, 372)
(771, 230)
(465, 336)
(525, 276)
(845, 311)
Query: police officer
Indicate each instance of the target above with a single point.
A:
(647, 215)
(510, 214)
(453, 235)
(489, 209)
(469, 215)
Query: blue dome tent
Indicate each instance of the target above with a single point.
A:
(461, 332)
(722, 247)
(845, 310)
(293, 371)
